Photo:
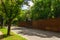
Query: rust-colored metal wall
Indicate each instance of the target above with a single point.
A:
(46, 24)
(24, 24)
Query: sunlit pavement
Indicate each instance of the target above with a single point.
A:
(33, 34)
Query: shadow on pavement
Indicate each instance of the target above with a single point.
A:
(33, 32)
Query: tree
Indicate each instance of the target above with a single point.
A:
(41, 9)
(57, 8)
(44, 9)
(1, 21)
(11, 9)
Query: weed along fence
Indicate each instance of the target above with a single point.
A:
(46, 24)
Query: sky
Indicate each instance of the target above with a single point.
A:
(30, 3)
(25, 7)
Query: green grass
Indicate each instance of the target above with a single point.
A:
(12, 36)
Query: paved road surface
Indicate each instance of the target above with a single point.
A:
(32, 34)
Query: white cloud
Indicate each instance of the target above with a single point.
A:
(25, 7)
(30, 3)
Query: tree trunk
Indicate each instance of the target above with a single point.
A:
(2, 23)
(9, 27)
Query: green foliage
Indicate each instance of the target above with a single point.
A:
(41, 9)
(11, 9)
(44, 9)
(57, 8)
